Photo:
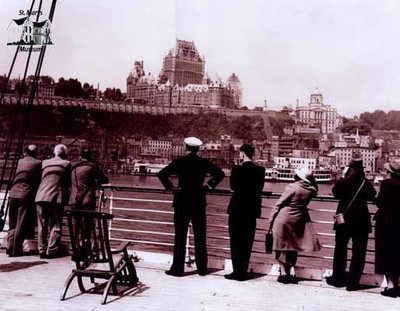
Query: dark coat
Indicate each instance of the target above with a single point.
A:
(247, 183)
(191, 171)
(357, 216)
(292, 227)
(86, 176)
(55, 183)
(27, 179)
(387, 230)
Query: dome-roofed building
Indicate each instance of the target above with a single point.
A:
(318, 114)
(233, 84)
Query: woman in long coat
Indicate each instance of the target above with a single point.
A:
(387, 230)
(291, 224)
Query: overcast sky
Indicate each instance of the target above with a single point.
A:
(280, 50)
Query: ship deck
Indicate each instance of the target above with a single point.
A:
(30, 283)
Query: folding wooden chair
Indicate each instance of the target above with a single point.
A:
(93, 256)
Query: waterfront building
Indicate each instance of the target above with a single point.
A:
(161, 148)
(224, 152)
(310, 153)
(318, 115)
(327, 161)
(369, 155)
(286, 162)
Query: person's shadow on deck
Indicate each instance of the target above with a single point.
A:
(18, 265)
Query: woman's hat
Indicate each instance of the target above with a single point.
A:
(356, 163)
(393, 166)
(304, 173)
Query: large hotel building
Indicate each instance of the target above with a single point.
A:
(182, 82)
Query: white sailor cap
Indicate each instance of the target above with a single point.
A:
(193, 142)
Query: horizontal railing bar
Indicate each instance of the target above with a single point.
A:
(142, 231)
(143, 242)
(142, 210)
(144, 221)
(222, 192)
(139, 200)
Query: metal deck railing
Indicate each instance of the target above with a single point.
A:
(144, 217)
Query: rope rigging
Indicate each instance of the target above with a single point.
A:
(22, 113)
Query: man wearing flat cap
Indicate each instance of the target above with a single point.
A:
(247, 183)
(190, 202)
(52, 195)
(86, 176)
(22, 205)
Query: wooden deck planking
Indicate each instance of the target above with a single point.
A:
(38, 288)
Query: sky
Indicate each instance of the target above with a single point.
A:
(280, 50)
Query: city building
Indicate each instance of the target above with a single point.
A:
(183, 65)
(306, 153)
(369, 156)
(318, 115)
(285, 162)
(282, 146)
(182, 83)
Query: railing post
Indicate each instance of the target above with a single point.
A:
(111, 211)
(189, 261)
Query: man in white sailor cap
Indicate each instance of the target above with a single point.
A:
(190, 202)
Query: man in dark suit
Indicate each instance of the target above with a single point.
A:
(52, 195)
(247, 183)
(86, 176)
(190, 203)
(22, 205)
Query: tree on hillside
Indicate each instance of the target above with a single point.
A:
(68, 88)
(113, 94)
(351, 126)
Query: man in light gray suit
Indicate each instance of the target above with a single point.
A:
(22, 204)
(52, 195)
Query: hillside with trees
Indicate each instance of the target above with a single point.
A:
(82, 123)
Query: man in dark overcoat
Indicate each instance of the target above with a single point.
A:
(86, 176)
(247, 183)
(22, 204)
(52, 195)
(190, 203)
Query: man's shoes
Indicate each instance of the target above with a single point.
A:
(43, 256)
(353, 287)
(284, 279)
(203, 272)
(390, 292)
(288, 279)
(334, 282)
(230, 276)
(174, 273)
(293, 279)
(236, 277)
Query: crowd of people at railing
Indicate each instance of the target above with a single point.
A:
(55, 183)
(49, 186)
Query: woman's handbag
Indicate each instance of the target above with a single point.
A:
(269, 240)
(339, 218)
